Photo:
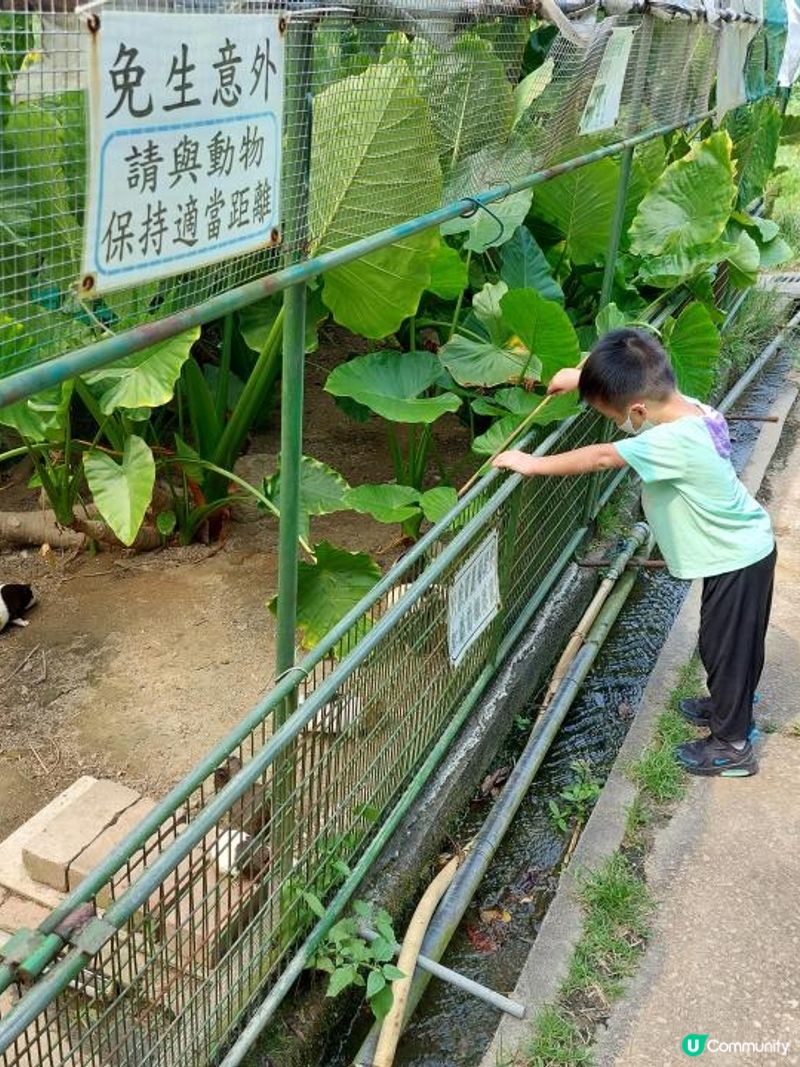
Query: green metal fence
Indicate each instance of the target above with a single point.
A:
(177, 941)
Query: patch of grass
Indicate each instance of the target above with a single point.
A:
(617, 908)
(792, 729)
(656, 772)
(558, 1042)
(753, 327)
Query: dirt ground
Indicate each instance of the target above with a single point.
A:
(134, 666)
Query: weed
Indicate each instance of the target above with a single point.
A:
(558, 1041)
(578, 798)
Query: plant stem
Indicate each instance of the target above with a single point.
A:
(105, 422)
(224, 368)
(258, 385)
(412, 334)
(396, 454)
(460, 300)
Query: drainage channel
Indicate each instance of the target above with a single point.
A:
(493, 941)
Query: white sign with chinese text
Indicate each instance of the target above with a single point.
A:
(473, 599)
(185, 118)
(602, 107)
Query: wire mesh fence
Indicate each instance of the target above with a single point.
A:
(410, 109)
(170, 984)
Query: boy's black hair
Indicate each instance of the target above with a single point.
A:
(626, 365)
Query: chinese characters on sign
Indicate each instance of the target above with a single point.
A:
(473, 599)
(186, 115)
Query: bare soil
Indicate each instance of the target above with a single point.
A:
(132, 667)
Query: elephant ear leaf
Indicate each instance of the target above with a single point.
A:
(391, 162)
(693, 343)
(122, 491)
(328, 588)
(689, 206)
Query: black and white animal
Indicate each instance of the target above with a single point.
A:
(15, 600)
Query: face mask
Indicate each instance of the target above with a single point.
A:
(628, 427)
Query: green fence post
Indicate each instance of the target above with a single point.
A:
(294, 194)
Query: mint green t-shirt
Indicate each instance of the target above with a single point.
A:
(704, 520)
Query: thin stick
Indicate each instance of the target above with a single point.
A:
(16, 670)
(38, 758)
(752, 418)
(511, 437)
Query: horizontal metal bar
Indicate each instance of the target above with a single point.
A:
(460, 981)
(45, 375)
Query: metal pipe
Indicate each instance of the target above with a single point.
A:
(491, 833)
(459, 981)
(91, 357)
(755, 368)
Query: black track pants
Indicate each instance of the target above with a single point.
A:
(733, 625)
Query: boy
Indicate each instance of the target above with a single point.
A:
(705, 522)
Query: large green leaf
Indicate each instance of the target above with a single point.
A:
(745, 260)
(667, 271)
(437, 502)
(322, 491)
(556, 409)
(468, 93)
(257, 320)
(523, 265)
(543, 328)
(775, 252)
(392, 383)
(145, 379)
(122, 491)
(689, 206)
(756, 132)
(474, 362)
(36, 139)
(392, 503)
(486, 305)
(329, 588)
(531, 87)
(388, 172)
(580, 205)
(41, 417)
(386, 503)
(448, 273)
(495, 224)
(693, 343)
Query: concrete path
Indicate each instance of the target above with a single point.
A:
(725, 957)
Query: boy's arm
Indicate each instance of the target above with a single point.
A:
(579, 461)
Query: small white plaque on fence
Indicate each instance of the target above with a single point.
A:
(473, 599)
(602, 107)
(185, 127)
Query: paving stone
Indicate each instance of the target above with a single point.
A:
(97, 851)
(48, 854)
(17, 913)
(13, 875)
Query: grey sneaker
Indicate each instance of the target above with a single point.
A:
(710, 757)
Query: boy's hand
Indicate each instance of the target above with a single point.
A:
(514, 460)
(564, 381)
